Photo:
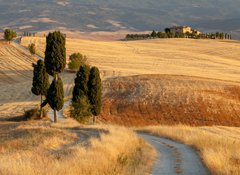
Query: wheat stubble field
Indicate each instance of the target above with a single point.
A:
(166, 81)
(202, 58)
(194, 82)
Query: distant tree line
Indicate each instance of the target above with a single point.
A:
(168, 34)
(28, 34)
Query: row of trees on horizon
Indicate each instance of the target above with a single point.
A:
(168, 34)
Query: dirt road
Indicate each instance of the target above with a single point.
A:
(174, 158)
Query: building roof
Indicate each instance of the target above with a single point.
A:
(178, 27)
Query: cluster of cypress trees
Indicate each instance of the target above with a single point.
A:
(87, 93)
(54, 63)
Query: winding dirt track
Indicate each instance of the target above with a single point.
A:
(174, 158)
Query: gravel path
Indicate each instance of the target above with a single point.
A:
(174, 158)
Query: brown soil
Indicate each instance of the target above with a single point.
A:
(162, 99)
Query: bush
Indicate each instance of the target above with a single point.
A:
(81, 111)
(34, 114)
(32, 48)
(76, 60)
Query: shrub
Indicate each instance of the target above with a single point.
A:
(32, 48)
(76, 60)
(35, 114)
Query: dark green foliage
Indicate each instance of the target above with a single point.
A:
(55, 53)
(40, 82)
(81, 110)
(167, 30)
(9, 34)
(55, 94)
(95, 91)
(32, 48)
(76, 60)
(81, 83)
(80, 101)
(169, 34)
(154, 34)
(137, 36)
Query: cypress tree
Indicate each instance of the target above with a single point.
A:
(40, 82)
(80, 100)
(81, 83)
(55, 53)
(55, 62)
(55, 96)
(154, 34)
(95, 92)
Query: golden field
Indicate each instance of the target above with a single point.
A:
(186, 81)
(194, 82)
(42, 148)
(197, 81)
(201, 58)
(218, 145)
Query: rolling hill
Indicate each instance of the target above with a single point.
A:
(105, 15)
(168, 81)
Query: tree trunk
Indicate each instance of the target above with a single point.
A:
(55, 116)
(55, 111)
(94, 120)
(41, 112)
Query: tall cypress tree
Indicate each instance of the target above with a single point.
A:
(95, 92)
(40, 82)
(81, 83)
(55, 53)
(55, 62)
(80, 100)
(55, 96)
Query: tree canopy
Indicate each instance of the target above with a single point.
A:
(9, 34)
(76, 60)
(81, 83)
(40, 82)
(55, 53)
(32, 48)
(55, 95)
(95, 91)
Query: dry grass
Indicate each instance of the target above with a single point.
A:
(218, 146)
(202, 58)
(41, 148)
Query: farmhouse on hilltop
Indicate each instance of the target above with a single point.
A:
(184, 29)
